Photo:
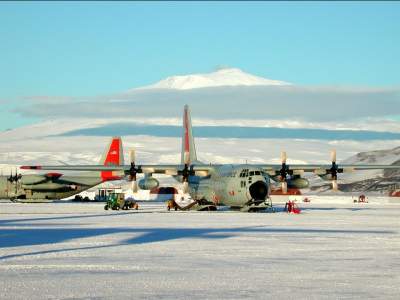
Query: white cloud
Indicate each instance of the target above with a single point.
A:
(294, 104)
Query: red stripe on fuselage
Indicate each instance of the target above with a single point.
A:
(186, 132)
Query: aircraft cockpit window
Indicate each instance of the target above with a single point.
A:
(251, 173)
(257, 173)
(244, 173)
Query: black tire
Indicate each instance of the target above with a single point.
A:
(106, 207)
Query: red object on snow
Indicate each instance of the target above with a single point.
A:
(292, 208)
(362, 199)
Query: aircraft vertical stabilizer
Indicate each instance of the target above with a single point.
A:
(112, 156)
(188, 154)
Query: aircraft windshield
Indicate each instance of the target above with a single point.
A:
(244, 173)
(247, 173)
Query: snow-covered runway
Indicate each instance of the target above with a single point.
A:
(74, 251)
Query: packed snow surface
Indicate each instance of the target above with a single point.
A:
(334, 249)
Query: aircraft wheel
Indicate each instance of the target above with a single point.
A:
(106, 207)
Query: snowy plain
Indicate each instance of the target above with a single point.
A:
(334, 249)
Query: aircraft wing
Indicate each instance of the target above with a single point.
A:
(275, 169)
(173, 169)
(204, 170)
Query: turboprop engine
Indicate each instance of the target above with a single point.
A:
(148, 182)
(32, 179)
(49, 186)
(326, 177)
(298, 182)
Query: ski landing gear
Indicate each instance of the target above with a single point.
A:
(255, 206)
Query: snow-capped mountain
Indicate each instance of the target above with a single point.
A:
(222, 77)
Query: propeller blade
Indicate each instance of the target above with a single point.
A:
(134, 186)
(132, 155)
(298, 172)
(333, 155)
(185, 187)
(320, 171)
(335, 185)
(283, 157)
(148, 170)
(171, 172)
(284, 187)
(201, 173)
(118, 173)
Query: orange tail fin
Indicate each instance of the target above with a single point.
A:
(113, 156)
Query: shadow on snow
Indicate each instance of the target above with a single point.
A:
(42, 236)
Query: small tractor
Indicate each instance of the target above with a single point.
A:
(116, 201)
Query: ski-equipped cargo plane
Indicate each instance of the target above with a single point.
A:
(32, 187)
(242, 186)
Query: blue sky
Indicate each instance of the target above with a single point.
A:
(88, 49)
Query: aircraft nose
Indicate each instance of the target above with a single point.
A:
(259, 190)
